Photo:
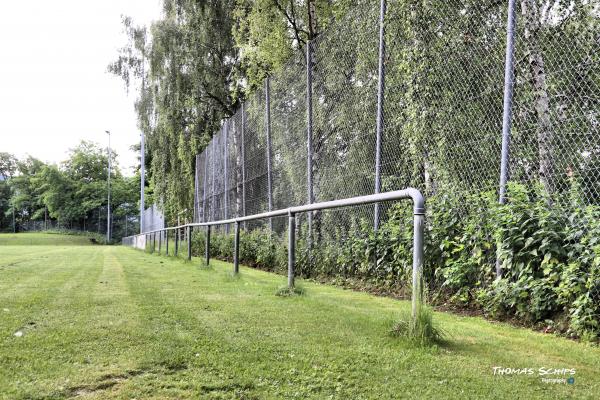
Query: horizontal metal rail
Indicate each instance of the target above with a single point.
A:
(409, 193)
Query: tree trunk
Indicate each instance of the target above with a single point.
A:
(545, 135)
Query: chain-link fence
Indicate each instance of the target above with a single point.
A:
(153, 219)
(318, 131)
(121, 225)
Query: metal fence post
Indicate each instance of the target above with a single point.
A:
(225, 177)
(269, 149)
(189, 243)
(166, 242)
(509, 78)
(176, 242)
(205, 179)
(309, 136)
(197, 190)
(243, 162)
(154, 242)
(212, 186)
(236, 249)
(380, 99)
(207, 245)
(291, 248)
(417, 278)
(160, 233)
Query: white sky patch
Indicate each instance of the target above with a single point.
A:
(54, 88)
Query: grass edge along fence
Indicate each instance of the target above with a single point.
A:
(140, 241)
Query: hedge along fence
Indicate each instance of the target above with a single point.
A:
(325, 126)
(551, 264)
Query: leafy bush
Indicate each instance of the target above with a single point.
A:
(531, 238)
(550, 259)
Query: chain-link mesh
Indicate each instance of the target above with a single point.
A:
(444, 85)
(153, 219)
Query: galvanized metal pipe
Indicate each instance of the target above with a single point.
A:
(291, 249)
(236, 249)
(418, 229)
(204, 205)
(225, 173)
(243, 154)
(189, 242)
(159, 241)
(177, 241)
(509, 83)
(142, 181)
(213, 195)
(207, 245)
(380, 99)
(417, 278)
(309, 136)
(269, 148)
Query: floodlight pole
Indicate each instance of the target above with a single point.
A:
(142, 181)
(108, 208)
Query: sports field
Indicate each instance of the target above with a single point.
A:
(79, 320)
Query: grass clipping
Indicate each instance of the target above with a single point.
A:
(420, 330)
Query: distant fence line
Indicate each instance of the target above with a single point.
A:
(153, 219)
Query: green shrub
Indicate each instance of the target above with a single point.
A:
(531, 237)
(550, 253)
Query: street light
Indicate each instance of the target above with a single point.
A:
(108, 216)
(142, 182)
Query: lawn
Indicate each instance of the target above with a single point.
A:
(100, 322)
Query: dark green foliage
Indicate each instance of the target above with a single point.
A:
(551, 264)
(71, 195)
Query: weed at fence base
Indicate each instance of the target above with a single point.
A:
(287, 291)
(420, 330)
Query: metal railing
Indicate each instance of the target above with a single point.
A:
(409, 193)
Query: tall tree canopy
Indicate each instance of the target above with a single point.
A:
(444, 78)
(72, 194)
(192, 68)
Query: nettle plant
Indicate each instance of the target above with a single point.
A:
(531, 237)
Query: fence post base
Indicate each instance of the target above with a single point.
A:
(207, 246)
(189, 243)
(236, 250)
(291, 248)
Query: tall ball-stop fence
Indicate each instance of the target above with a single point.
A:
(472, 103)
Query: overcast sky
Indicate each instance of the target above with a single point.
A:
(54, 88)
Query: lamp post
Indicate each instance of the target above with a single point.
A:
(108, 213)
(142, 182)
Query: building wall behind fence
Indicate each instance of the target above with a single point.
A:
(444, 78)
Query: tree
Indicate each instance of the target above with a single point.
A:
(8, 165)
(188, 85)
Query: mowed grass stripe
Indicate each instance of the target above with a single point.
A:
(320, 328)
(134, 325)
(44, 307)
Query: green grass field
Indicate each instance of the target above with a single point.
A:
(98, 322)
(47, 239)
